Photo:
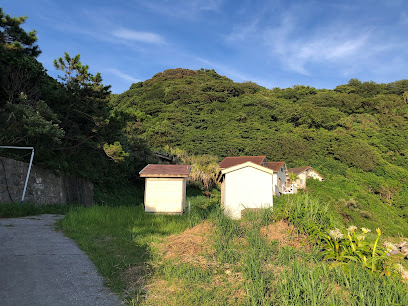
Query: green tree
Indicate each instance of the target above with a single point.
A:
(26, 119)
(14, 37)
(84, 111)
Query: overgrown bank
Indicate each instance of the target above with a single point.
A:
(273, 257)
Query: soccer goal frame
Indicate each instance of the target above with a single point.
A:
(29, 166)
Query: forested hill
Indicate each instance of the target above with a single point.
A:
(361, 124)
(356, 135)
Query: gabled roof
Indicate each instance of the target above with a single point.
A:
(302, 169)
(233, 161)
(275, 166)
(161, 170)
(299, 169)
(247, 164)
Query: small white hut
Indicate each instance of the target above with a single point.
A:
(303, 173)
(246, 185)
(165, 187)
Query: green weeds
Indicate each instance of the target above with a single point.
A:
(245, 268)
(15, 210)
(306, 213)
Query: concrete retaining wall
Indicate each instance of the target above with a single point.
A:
(44, 186)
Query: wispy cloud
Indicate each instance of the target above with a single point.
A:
(305, 41)
(243, 32)
(122, 75)
(331, 44)
(145, 37)
(183, 9)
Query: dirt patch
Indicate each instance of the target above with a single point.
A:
(162, 292)
(228, 287)
(286, 234)
(135, 276)
(192, 246)
(135, 279)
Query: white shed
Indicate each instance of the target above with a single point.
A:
(246, 185)
(303, 173)
(165, 187)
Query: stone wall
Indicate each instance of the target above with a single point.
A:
(44, 186)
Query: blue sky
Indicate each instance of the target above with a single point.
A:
(273, 43)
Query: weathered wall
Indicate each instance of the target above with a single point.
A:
(44, 187)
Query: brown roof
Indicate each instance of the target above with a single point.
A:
(160, 170)
(275, 166)
(298, 170)
(233, 161)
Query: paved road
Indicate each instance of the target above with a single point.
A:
(40, 266)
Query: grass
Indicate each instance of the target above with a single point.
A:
(118, 238)
(244, 269)
(350, 201)
(235, 263)
(15, 210)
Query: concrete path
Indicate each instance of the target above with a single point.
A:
(40, 266)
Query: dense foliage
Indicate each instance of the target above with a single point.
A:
(355, 135)
(69, 121)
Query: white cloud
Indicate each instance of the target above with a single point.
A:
(302, 41)
(146, 37)
(329, 44)
(243, 32)
(207, 5)
(189, 9)
(122, 75)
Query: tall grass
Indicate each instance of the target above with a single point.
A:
(366, 288)
(227, 230)
(306, 213)
(303, 284)
(118, 238)
(256, 256)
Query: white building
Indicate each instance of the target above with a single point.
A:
(303, 173)
(165, 187)
(246, 185)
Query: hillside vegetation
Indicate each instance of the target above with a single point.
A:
(307, 250)
(355, 135)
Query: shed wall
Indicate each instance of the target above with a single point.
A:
(247, 188)
(301, 181)
(165, 195)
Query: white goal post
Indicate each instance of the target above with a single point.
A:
(29, 167)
